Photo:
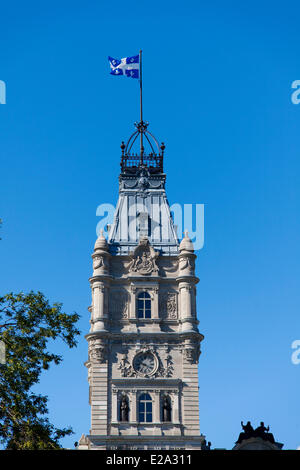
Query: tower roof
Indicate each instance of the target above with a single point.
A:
(143, 209)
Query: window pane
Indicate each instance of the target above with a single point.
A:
(149, 407)
(144, 305)
(149, 418)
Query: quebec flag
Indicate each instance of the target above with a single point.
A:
(129, 66)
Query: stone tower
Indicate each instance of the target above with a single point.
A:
(144, 342)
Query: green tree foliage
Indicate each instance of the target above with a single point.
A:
(27, 324)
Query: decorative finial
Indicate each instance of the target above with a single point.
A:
(186, 244)
(122, 148)
(101, 243)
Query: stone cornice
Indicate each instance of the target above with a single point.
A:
(146, 336)
(100, 278)
(189, 279)
(155, 439)
(140, 382)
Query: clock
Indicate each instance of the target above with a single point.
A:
(144, 363)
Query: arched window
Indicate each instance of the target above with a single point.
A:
(124, 409)
(166, 409)
(145, 408)
(144, 305)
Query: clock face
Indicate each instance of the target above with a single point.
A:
(144, 363)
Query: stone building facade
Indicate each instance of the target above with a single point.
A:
(144, 343)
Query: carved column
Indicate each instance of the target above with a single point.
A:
(101, 260)
(114, 406)
(154, 310)
(132, 306)
(99, 306)
(175, 408)
(186, 306)
(187, 279)
(156, 407)
(133, 406)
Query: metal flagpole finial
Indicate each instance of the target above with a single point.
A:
(141, 107)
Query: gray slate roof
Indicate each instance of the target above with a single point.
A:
(143, 210)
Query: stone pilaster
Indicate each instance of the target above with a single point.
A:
(99, 385)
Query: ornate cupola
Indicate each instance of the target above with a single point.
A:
(143, 208)
(144, 342)
(152, 160)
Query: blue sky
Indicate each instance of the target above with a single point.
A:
(217, 90)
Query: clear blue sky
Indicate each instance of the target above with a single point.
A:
(217, 91)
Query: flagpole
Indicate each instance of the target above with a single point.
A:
(141, 108)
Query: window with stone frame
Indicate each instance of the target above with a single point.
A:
(144, 305)
(145, 408)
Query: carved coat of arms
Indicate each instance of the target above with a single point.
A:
(143, 258)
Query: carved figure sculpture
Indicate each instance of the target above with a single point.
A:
(166, 410)
(124, 409)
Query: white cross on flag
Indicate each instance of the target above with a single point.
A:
(128, 66)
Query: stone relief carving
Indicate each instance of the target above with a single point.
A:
(143, 181)
(125, 367)
(169, 367)
(98, 262)
(118, 303)
(186, 263)
(98, 351)
(133, 288)
(168, 305)
(143, 258)
(127, 370)
(170, 266)
(192, 353)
